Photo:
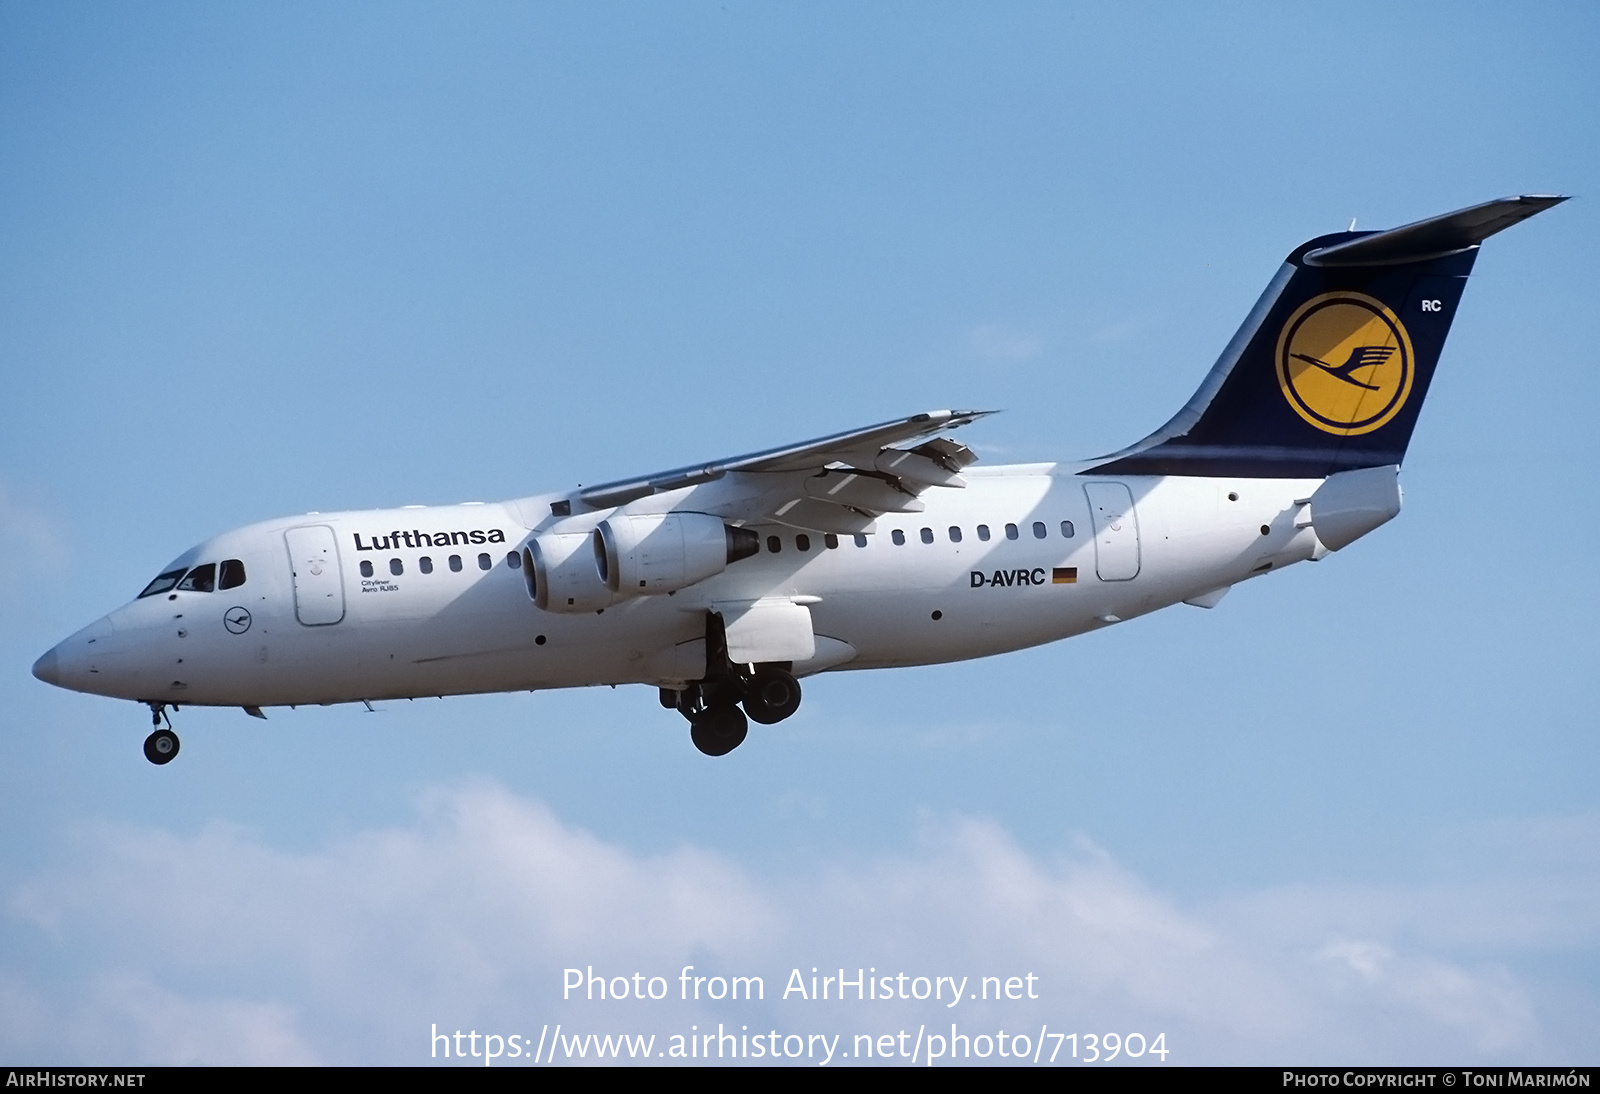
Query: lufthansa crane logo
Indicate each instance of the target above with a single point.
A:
(1345, 363)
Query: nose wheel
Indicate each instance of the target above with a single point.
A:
(161, 747)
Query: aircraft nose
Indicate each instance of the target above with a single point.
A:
(48, 668)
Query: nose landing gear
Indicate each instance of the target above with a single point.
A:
(161, 747)
(768, 693)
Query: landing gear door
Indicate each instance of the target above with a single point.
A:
(775, 629)
(1116, 530)
(318, 584)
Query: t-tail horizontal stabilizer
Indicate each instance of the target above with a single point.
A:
(1331, 366)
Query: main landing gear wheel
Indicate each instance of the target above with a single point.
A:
(161, 746)
(769, 693)
(719, 730)
(771, 696)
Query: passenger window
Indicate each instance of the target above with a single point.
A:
(899, 537)
(514, 560)
(425, 564)
(232, 574)
(1067, 531)
(927, 535)
(802, 542)
(161, 584)
(1039, 530)
(831, 541)
(455, 564)
(983, 532)
(1011, 531)
(201, 579)
(366, 568)
(485, 562)
(396, 567)
(861, 539)
(774, 544)
(955, 534)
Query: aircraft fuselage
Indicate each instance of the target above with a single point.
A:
(999, 574)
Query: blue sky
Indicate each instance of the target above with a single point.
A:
(262, 259)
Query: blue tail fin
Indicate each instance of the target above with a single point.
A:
(1330, 368)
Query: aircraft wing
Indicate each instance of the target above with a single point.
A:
(836, 483)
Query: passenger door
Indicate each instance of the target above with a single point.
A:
(318, 583)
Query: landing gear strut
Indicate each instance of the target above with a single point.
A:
(769, 694)
(161, 747)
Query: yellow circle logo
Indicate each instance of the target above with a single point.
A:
(1345, 363)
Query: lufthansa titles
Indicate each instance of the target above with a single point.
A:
(397, 539)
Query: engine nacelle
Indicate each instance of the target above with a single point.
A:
(560, 568)
(663, 552)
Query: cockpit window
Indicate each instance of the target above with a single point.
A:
(232, 574)
(162, 583)
(201, 579)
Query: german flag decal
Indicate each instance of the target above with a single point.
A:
(1064, 575)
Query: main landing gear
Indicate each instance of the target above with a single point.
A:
(161, 747)
(768, 693)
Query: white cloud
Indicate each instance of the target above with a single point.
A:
(998, 343)
(122, 1017)
(217, 948)
(1486, 1004)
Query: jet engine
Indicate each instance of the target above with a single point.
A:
(663, 552)
(628, 556)
(560, 570)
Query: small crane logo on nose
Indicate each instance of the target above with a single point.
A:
(237, 620)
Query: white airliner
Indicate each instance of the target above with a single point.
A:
(721, 583)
